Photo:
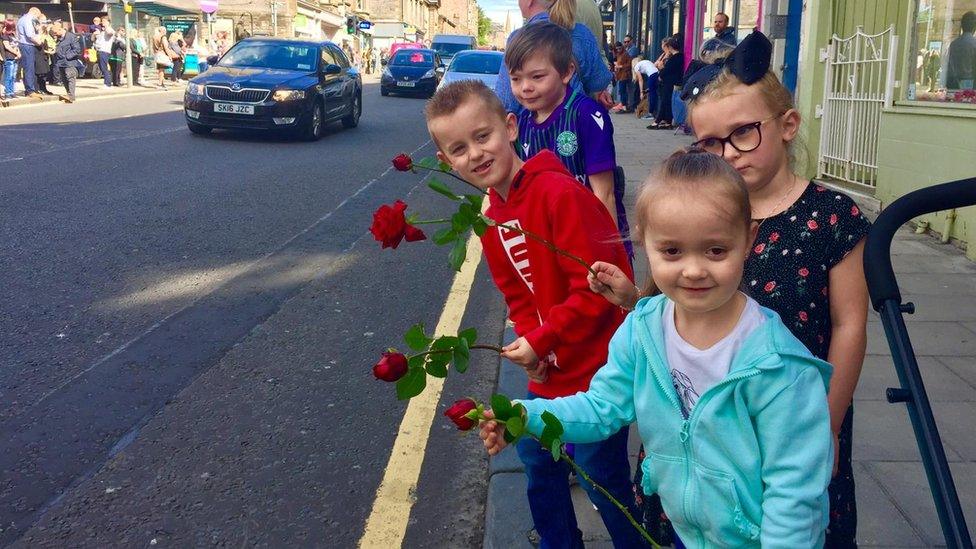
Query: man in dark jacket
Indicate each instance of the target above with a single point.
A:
(961, 66)
(67, 60)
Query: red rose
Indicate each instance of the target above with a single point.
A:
(802, 315)
(773, 237)
(833, 219)
(390, 226)
(803, 272)
(391, 367)
(402, 163)
(770, 286)
(458, 414)
(759, 249)
(812, 225)
(855, 210)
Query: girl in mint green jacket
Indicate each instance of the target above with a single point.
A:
(731, 407)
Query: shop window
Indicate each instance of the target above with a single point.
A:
(743, 16)
(945, 52)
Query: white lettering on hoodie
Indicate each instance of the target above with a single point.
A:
(517, 251)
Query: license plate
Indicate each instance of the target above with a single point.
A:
(233, 109)
(407, 84)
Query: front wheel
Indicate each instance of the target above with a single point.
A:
(383, 92)
(199, 129)
(312, 129)
(352, 120)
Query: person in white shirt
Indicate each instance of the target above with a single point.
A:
(645, 73)
(103, 45)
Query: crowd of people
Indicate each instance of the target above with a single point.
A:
(756, 296)
(40, 53)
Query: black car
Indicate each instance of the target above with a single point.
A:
(276, 84)
(413, 72)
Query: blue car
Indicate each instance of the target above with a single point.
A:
(412, 72)
(276, 84)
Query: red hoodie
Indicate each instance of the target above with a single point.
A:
(548, 297)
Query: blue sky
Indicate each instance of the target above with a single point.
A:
(496, 9)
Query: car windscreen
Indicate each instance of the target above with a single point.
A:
(449, 49)
(413, 57)
(476, 64)
(290, 57)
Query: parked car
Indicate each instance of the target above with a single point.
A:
(276, 84)
(448, 45)
(412, 72)
(474, 65)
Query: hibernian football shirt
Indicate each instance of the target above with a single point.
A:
(580, 132)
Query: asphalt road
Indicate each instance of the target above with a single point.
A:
(188, 326)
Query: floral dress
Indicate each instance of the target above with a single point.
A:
(787, 271)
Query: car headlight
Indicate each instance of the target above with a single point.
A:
(288, 95)
(387, 74)
(428, 74)
(194, 89)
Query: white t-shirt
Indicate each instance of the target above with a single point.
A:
(104, 40)
(693, 370)
(646, 67)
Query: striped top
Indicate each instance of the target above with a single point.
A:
(580, 132)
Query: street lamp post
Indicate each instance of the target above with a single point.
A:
(126, 10)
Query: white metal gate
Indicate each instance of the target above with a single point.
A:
(858, 85)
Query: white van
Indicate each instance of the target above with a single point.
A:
(446, 45)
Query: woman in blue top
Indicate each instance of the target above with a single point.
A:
(730, 406)
(592, 73)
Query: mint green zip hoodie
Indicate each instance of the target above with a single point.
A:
(750, 465)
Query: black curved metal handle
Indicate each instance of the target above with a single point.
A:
(877, 252)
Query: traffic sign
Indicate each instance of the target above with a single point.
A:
(208, 6)
(365, 25)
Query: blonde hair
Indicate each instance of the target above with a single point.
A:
(772, 92)
(693, 175)
(563, 13)
(449, 99)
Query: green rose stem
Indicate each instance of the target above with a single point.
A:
(582, 474)
(455, 176)
(531, 235)
(475, 346)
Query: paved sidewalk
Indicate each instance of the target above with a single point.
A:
(895, 506)
(86, 89)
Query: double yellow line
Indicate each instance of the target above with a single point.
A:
(387, 522)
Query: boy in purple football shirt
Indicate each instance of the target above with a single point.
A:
(560, 118)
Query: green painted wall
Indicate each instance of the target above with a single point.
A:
(921, 147)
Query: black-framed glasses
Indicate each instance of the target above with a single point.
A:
(745, 138)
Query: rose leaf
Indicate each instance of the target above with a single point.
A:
(416, 338)
(441, 188)
(411, 384)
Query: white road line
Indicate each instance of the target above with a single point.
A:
(243, 272)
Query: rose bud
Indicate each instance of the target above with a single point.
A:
(457, 413)
(390, 226)
(391, 367)
(402, 163)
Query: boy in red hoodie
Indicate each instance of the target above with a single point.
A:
(563, 328)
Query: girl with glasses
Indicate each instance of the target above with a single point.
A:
(806, 261)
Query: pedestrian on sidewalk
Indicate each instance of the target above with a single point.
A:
(67, 60)
(806, 261)
(117, 55)
(670, 68)
(104, 39)
(137, 49)
(11, 58)
(27, 42)
(559, 118)
(592, 76)
(42, 58)
(178, 46)
(622, 73)
(563, 332)
(163, 55)
(702, 366)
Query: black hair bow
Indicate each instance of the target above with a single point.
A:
(749, 62)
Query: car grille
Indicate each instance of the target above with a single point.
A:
(246, 95)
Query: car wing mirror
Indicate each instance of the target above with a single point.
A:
(331, 68)
(212, 59)
(384, 62)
